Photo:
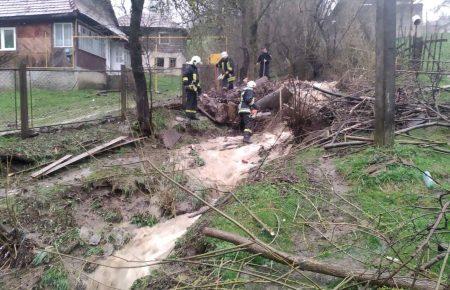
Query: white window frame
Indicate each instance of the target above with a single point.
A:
(163, 38)
(54, 34)
(2, 39)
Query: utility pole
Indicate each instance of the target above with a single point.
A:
(386, 27)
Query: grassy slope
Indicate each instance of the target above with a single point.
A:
(383, 197)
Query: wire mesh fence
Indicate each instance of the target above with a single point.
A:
(9, 102)
(66, 96)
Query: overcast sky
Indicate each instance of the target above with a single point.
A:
(430, 6)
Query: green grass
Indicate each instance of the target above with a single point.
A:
(54, 278)
(54, 107)
(44, 147)
(388, 199)
(144, 220)
(166, 86)
(275, 204)
(397, 194)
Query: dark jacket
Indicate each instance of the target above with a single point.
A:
(226, 66)
(191, 78)
(247, 101)
(264, 56)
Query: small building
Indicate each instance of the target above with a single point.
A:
(77, 35)
(164, 42)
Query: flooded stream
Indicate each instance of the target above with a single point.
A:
(226, 162)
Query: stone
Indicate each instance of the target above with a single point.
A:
(108, 249)
(85, 234)
(94, 240)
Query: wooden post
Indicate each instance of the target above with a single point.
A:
(123, 92)
(23, 88)
(385, 72)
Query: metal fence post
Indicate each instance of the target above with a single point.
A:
(123, 92)
(24, 121)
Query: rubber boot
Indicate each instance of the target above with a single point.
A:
(192, 116)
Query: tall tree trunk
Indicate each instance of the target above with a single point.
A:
(142, 106)
(245, 20)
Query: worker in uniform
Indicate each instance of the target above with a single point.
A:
(226, 68)
(247, 110)
(191, 83)
(264, 60)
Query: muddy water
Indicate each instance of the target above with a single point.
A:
(226, 162)
(147, 246)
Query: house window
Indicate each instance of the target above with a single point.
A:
(7, 38)
(164, 38)
(119, 55)
(173, 62)
(159, 61)
(91, 42)
(63, 34)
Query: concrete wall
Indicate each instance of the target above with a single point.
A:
(56, 80)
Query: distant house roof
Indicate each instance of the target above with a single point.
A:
(99, 11)
(152, 21)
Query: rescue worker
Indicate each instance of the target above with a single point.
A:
(226, 68)
(247, 110)
(191, 83)
(264, 60)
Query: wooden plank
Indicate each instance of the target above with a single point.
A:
(86, 154)
(50, 166)
(126, 142)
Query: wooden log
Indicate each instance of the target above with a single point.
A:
(326, 268)
(344, 144)
(85, 154)
(272, 100)
(422, 126)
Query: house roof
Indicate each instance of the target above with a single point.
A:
(10, 8)
(151, 21)
(100, 11)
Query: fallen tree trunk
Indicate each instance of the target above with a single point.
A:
(335, 270)
(272, 100)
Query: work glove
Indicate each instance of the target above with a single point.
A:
(192, 88)
(220, 77)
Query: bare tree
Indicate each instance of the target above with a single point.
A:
(142, 105)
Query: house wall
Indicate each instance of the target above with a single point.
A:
(34, 43)
(149, 60)
(89, 61)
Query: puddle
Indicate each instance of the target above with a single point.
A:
(226, 162)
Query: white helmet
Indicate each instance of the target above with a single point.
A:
(416, 19)
(195, 60)
(224, 54)
(251, 85)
